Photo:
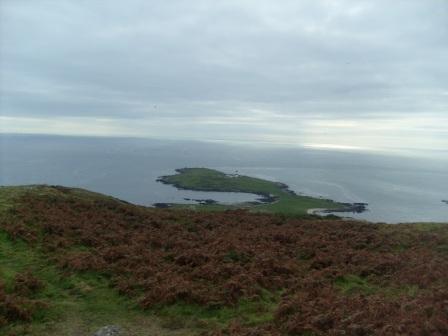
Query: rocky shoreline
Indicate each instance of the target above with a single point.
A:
(264, 199)
(207, 201)
(348, 207)
(351, 207)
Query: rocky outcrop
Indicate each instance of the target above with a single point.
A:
(110, 330)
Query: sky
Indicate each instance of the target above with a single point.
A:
(338, 74)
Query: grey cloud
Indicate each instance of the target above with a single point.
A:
(194, 59)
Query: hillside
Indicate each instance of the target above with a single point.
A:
(72, 261)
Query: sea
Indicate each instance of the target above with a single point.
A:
(397, 187)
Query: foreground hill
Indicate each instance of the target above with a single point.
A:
(72, 260)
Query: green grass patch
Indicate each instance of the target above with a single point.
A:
(351, 284)
(248, 312)
(408, 290)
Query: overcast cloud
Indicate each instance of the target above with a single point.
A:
(350, 74)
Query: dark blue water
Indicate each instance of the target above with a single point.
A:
(398, 189)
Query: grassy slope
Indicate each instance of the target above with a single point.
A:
(80, 303)
(205, 179)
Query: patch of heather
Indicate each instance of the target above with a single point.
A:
(336, 277)
(18, 303)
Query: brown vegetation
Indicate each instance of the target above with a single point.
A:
(18, 303)
(335, 277)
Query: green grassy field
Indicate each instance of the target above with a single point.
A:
(286, 202)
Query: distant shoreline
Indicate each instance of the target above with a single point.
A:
(351, 207)
(275, 197)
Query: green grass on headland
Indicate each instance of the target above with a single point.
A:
(284, 200)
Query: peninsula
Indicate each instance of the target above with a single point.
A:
(276, 197)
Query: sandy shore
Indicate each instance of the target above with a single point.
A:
(315, 211)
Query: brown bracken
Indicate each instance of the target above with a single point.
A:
(163, 256)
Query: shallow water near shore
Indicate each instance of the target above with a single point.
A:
(397, 188)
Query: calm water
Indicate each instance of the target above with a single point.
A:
(398, 189)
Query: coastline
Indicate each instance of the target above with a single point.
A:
(265, 198)
(350, 207)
